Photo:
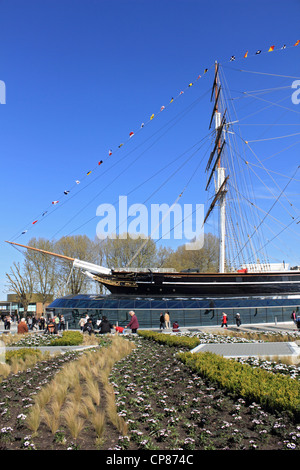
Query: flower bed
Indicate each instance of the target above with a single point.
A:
(166, 405)
(275, 392)
(169, 406)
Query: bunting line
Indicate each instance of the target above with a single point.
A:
(153, 116)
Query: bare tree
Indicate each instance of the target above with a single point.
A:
(43, 269)
(205, 260)
(80, 247)
(118, 252)
(21, 283)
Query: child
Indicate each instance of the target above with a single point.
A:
(119, 329)
(175, 326)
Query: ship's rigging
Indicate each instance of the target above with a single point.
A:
(230, 174)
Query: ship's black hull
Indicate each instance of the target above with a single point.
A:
(199, 284)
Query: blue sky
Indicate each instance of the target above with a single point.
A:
(80, 75)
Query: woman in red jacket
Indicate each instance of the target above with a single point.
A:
(133, 324)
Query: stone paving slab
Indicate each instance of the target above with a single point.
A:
(55, 349)
(250, 349)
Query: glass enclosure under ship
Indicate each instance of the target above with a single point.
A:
(188, 311)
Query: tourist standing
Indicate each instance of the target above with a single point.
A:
(167, 320)
(56, 324)
(22, 327)
(62, 323)
(42, 323)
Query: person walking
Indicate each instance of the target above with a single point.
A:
(82, 323)
(34, 323)
(167, 320)
(7, 322)
(133, 324)
(29, 322)
(42, 323)
(162, 321)
(224, 320)
(238, 319)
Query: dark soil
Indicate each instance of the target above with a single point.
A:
(166, 405)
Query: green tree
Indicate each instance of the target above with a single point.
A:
(206, 259)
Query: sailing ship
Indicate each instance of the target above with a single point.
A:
(246, 281)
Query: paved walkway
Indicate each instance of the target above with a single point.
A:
(55, 349)
(265, 350)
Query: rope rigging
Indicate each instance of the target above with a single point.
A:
(242, 245)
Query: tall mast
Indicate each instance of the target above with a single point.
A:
(216, 168)
(220, 178)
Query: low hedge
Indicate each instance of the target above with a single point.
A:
(273, 391)
(170, 340)
(69, 338)
(21, 353)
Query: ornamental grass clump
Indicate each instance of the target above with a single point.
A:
(73, 398)
(274, 392)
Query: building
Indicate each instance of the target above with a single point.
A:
(187, 311)
(13, 306)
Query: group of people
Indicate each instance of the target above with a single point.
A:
(57, 322)
(105, 326)
(165, 323)
(52, 325)
(164, 320)
(31, 323)
(296, 319)
(225, 320)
